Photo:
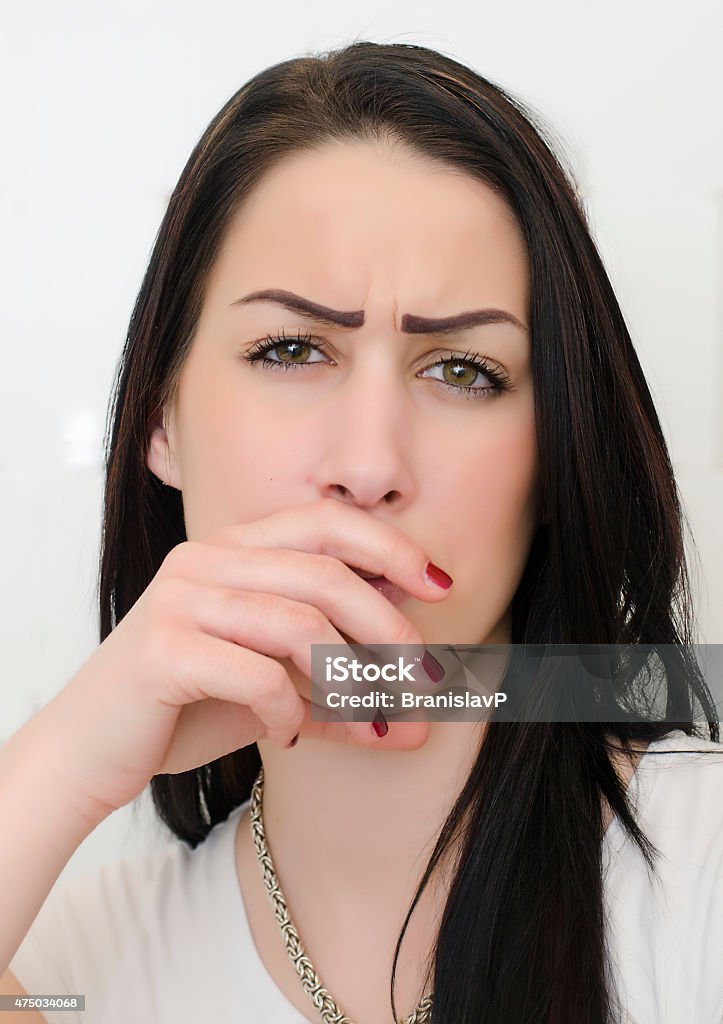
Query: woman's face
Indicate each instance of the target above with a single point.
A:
(390, 237)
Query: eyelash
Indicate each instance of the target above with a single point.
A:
(500, 382)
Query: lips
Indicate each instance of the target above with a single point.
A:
(367, 575)
(382, 585)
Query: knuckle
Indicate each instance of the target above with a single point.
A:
(264, 606)
(232, 604)
(332, 572)
(274, 681)
(231, 535)
(177, 558)
(406, 633)
(304, 620)
(166, 653)
(167, 596)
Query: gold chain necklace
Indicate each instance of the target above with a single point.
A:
(321, 997)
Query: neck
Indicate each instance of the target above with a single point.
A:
(354, 827)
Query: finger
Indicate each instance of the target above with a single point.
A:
(319, 724)
(208, 729)
(277, 628)
(208, 667)
(336, 528)
(354, 606)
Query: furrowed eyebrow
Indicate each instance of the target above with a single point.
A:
(411, 324)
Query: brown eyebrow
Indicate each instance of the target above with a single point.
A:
(411, 324)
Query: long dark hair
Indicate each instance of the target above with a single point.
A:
(606, 565)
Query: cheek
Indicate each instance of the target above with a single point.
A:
(496, 505)
(488, 506)
(500, 490)
(231, 451)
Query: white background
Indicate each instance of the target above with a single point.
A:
(101, 105)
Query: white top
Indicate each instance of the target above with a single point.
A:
(163, 938)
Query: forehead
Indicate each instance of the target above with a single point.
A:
(354, 217)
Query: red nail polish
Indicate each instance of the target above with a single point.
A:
(432, 667)
(438, 576)
(379, 724)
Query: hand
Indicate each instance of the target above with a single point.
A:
(195, 669)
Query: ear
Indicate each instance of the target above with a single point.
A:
(160, 457)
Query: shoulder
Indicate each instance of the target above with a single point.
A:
(675, 797)
(674, 781)
(131, 929)
(667, 926)
(169, 888)
(679, 789)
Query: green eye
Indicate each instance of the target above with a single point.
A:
(460, 372)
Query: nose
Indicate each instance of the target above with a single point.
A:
(364, 495)
(369, 446)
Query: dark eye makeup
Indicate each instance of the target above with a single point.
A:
(500, 382)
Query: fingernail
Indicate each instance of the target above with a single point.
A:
(379, 724)
(432, 667)
(293, 742)
(437, 577)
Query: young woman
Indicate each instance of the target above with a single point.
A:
(375, 334)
